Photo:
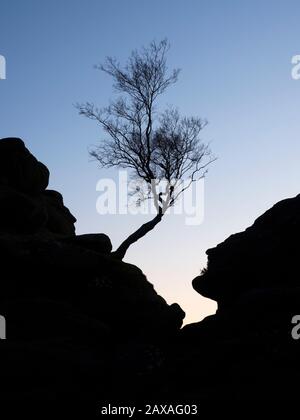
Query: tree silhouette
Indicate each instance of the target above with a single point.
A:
(155, 146)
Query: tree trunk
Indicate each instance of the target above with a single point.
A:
(138, 234)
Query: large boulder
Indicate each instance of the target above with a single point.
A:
(265, 255)
(98, 242)
(246, 350)
(26, 206)
(19, 169)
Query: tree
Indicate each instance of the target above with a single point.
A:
(154, 145)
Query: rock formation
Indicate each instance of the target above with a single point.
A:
(247, 346)
(78, 321)
(26, 207)
(83, 326)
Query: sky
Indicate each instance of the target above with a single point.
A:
(236, 66)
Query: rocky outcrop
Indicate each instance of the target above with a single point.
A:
(25, 204)
(79, 322)
(82, 325)
(263, 256)
(246, 350)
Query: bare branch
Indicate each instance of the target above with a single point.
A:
(154, 146)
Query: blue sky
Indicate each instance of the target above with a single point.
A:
(236, 72)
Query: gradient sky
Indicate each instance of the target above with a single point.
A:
(236, 72)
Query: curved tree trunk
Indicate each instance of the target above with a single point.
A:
(138, 234)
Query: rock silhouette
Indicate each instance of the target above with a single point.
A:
(25, 204)
(263, 256)
(247, 346)
(77, 319)
(83, 326)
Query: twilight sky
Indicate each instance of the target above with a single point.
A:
(236, 66)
